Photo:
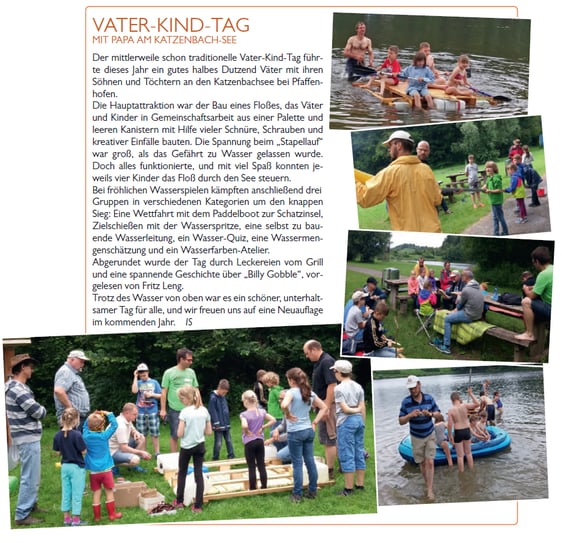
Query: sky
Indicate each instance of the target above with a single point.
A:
(418, 238)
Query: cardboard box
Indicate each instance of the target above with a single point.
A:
(148, 502)
(127, 493)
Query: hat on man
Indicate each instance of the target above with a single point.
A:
(412, 381)
(399, 135)
(343, 366)
(78, 354)
(20, 358)
(371, 280)
(142, 367)
(456, 273)
(356, 296)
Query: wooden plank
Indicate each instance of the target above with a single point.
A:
(387, 100)
(269, 490)
(224, 465)
(400, 91)
(508, 335)
(519, 345)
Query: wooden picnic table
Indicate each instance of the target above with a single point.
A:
(393, 286)
(454, 177)
(537, 348)
(454, 182)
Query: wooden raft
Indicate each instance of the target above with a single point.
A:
(229, 478)
(398, 93)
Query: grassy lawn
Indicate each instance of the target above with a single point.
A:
(275, 505)
(416, 344)
(463, 214)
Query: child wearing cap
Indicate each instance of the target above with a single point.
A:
(350, 427)
(148, 393)
(355, 323)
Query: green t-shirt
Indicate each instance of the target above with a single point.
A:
(273, 406)
(172, 380)
(543, 284)
(493, 183)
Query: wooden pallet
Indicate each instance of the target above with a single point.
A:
(398, 94)
(224, 480)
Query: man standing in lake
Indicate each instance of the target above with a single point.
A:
(355, 50)
(418, 410)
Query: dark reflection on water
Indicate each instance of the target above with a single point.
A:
(517, 473)
(498, 49)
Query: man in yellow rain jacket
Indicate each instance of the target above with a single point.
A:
(408, 186)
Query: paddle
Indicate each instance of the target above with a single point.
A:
(367, 70)
(359, 72)
(496, 98)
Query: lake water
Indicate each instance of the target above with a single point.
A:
(498, 50)
(519, 472)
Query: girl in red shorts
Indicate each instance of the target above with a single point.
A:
(99, 461)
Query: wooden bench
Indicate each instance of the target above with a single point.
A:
(537, 348)
(519, 345)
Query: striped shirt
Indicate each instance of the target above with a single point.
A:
(69, 379)
(23, 412)
(421, 426)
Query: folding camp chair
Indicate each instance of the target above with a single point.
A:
(425, 315)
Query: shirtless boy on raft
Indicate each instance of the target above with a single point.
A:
(440, 81)
(356, 47)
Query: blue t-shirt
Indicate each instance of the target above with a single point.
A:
(421, 426)
(147, 405)
(98, 458)
(414, 73)
(301, 410)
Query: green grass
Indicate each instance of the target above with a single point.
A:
(463, 214)
(275, 505)
(416, 345)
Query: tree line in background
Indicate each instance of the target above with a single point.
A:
(233, 354)
(498, 260)
(451, 143)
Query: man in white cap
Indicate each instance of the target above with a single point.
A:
(450, 294)
(408, 186)
(418, 410)
(69, 389)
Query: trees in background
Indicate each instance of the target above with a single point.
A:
(365, 246)
(225, 352)
(450, 143)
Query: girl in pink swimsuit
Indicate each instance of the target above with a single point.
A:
(458, 81)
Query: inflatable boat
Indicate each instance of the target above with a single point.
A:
(499, 441)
